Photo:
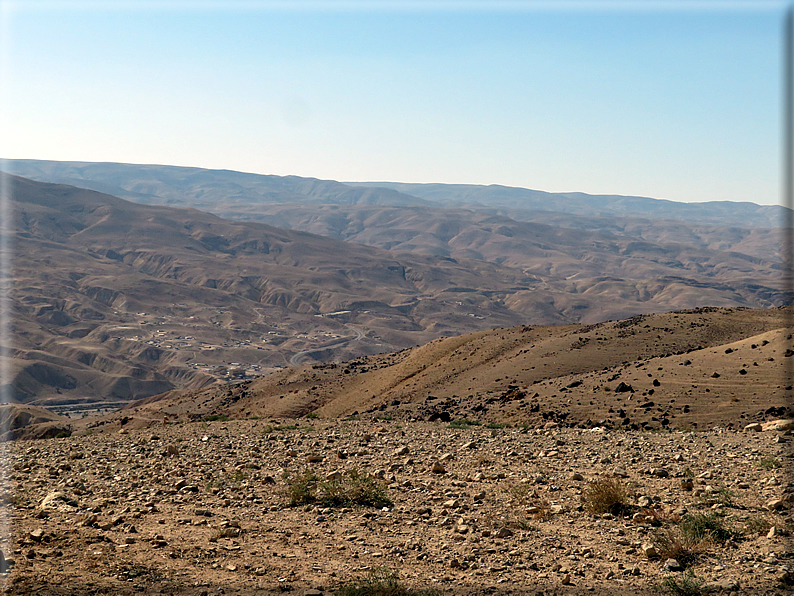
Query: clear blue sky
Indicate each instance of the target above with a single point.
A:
(673, 100)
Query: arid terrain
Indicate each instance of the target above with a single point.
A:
(203, 508)
(115, 301)
(685, 446)
(433, 399)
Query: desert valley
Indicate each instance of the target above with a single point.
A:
(231, 383)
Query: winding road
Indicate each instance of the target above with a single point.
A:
(295, 360)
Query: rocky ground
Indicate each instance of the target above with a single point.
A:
(201, 508)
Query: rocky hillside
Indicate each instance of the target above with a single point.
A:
(684, 370)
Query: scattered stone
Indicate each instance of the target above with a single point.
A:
(649, 550)
(673, 565)
(59, 501)
(774, 504)
(457, 528)
(722, 585)
(778, 425)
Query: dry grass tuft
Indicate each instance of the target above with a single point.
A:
(352, 489)
(607, 495)
(381, 582)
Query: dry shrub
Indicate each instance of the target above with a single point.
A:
(353, 489)
(693, 536)
(671, 543)
(519, 492)
(606, 495)
(523, 495)
(381, 582)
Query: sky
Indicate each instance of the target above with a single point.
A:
(673, 100)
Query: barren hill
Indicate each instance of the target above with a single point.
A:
(686, 369)
(114, 300)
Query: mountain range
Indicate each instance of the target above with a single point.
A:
(118, 299)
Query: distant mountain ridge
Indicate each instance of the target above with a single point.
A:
(745, 214)
(203, 188)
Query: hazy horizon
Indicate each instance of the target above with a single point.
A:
(676, 101)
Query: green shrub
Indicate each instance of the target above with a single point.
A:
(354, 489)
(463, 423)
(705, 526)
(216, 417)
(301, 489)
(692, 537)
(686, 585)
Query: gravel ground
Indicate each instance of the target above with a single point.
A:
(200, 508)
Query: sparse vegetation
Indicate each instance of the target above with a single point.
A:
(607, 495)
(769, 462)
(684, 585)
(692, 537)
(279, 428)
(216, 418)
(350, 490)
(759, 524)
(722, 496)
(660, 517)
(463, 423)
(381, 582)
